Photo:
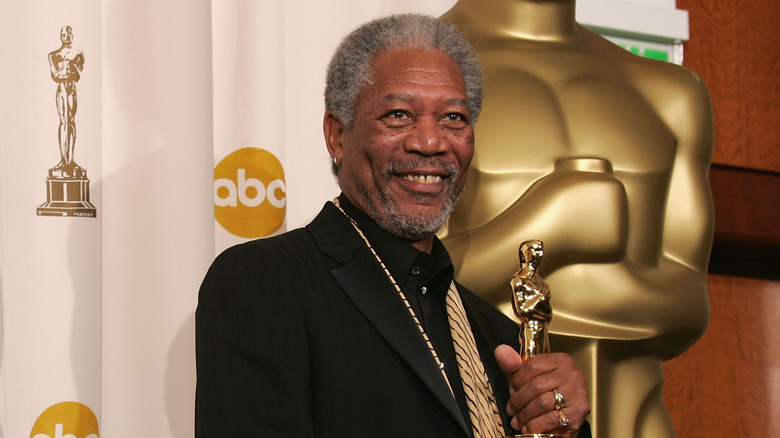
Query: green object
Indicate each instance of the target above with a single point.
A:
(660, 55)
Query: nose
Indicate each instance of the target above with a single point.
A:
(426, 138)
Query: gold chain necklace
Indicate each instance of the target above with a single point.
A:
(439, 363)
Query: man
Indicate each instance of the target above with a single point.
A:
(349, 326)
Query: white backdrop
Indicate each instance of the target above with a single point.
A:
(99, 311)
(50, 282)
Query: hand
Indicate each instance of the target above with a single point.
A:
(532, 400)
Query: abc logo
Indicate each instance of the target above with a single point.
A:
(250, 195)
(66, 420)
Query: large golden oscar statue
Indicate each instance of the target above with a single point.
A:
(604, 156)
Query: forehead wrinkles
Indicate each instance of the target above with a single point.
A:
(409, 98)
(434, 75)
(438, 70)
(394, 63)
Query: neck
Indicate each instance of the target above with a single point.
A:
(425, 246)
(539, 20)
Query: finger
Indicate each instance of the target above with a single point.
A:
(533, 386)
(551, 422)
(547, 374)
(536, 407)
(534, 368)
(508, 359)
(564, 422)
(532, 401)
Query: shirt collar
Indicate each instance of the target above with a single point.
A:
(397, 253)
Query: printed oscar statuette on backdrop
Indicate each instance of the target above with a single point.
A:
(531, 303)
(67, 186)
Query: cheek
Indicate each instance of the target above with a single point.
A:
(463, 147)
(379, 145)
(365, 155)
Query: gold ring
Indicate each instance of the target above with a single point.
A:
(560, 402)
(563, 420)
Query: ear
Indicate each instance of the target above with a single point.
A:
(333, 130)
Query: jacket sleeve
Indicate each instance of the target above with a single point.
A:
(252, 360)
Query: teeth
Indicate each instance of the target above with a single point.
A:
(426, 179)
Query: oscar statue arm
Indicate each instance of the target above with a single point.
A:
(54, 68)
(78, 61)
(689, 219)
(554, 210)
(661, 300)
(689, 215)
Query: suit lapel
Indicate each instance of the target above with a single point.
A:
(365, 282)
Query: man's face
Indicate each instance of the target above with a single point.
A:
(404, 159)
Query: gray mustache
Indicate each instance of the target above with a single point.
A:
(449, 169)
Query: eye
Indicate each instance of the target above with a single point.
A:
(397, 118)
(455, 119)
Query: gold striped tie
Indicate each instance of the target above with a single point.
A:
(483, 410)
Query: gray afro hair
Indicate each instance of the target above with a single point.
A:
(349, 68)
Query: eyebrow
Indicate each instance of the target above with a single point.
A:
(409, 98)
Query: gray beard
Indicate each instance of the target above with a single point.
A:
(391, 219)
(411, 227)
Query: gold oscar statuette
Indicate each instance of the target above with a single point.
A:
(67, 187)
(531, 303)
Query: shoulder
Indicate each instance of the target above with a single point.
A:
(284, 259)
(260, 278)
(277, 250)
(679, 96)
(642, 71)
(665, 82)
(263, 255)
(675, 80)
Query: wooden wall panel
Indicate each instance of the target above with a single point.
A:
(747, 222)
(735, 46)
(727, 384)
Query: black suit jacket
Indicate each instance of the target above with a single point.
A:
(303, 335)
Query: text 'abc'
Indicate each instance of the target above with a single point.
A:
(250, 192)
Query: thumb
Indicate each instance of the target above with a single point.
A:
(508, 359)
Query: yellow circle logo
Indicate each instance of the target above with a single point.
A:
(250, 195)
(66, 420)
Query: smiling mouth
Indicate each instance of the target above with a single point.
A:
(425, 179)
